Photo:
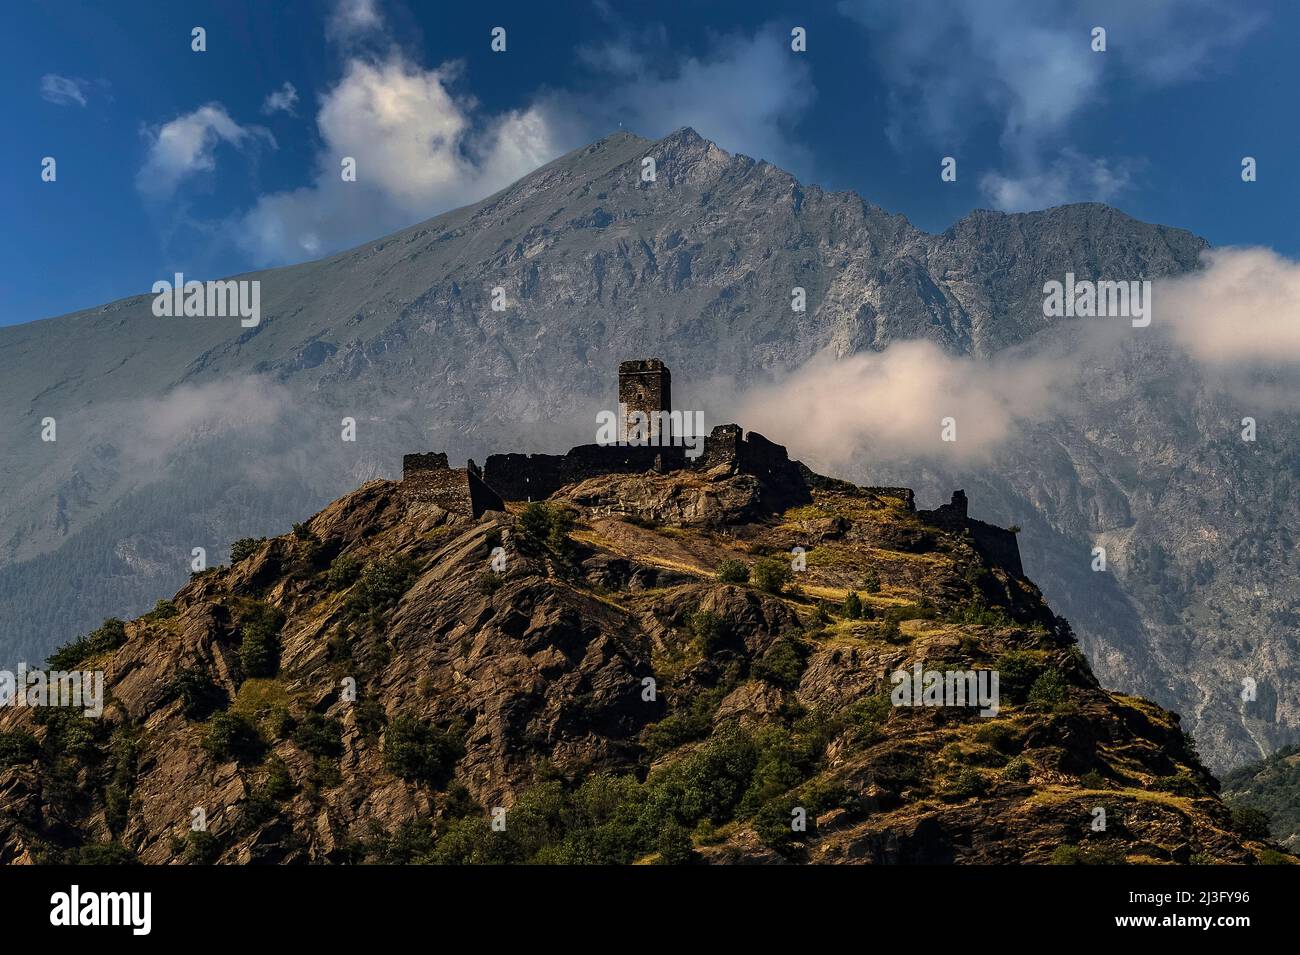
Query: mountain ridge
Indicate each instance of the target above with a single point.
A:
(176, 434)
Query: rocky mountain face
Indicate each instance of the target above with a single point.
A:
(176, 434)
(629, 672)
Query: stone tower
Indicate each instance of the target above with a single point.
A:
(646, 387)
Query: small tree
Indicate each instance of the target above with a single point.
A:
(871, 582)
(771, 574)
(259, 650)
(244, 548)
(853, 606)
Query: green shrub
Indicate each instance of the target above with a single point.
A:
(416, 750)
(279, 784)
(1273, 857)
(1092, 780)
(544, 525)
(1018, 770)
(106, 853)
(692, 723)
(202, 848)
(771, 574)
(162, 610)
(707, 630)
(1017, 671)
(773, 823)
(244, 548)
(967, 784)
(319, 736)
(783, 663)
(380, 586)
(303, 532)
(259, 648)
(1180, 784)
(343, 573)
(230, 736)
(871, 582)
(17, 747)
(675, 846)
(1050, 689)
(977, 612)
(198, 693)
(733, 572)
(1251, 823)
(110, 635)
(71, 733)
(866, 718)
(489, 582)
(1098, 853)
(999, 734)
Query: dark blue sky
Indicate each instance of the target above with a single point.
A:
(171, 160)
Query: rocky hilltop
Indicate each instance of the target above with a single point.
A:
(670, 664)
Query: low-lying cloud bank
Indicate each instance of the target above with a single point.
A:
(1238, 318)
(894, 403)
(1243, 307)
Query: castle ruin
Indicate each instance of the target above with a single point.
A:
(645, 390)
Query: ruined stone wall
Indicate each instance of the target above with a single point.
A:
(782, 479)
(535, 477)
(997, 545)
(426, 478)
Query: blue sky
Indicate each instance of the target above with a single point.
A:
(207, 163)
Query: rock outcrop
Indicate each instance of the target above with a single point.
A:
(596, 675)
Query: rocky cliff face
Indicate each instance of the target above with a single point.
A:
(190, 433)
(391, 679)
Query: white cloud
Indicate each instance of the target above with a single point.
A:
(1027, 65)
(747, 94)
(892, 403)
(282, 100)
(1072, 177)
(351, 19)
(64, 90)
(1242, 308)
(422, 148)
(187, 145)
(419, 150)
